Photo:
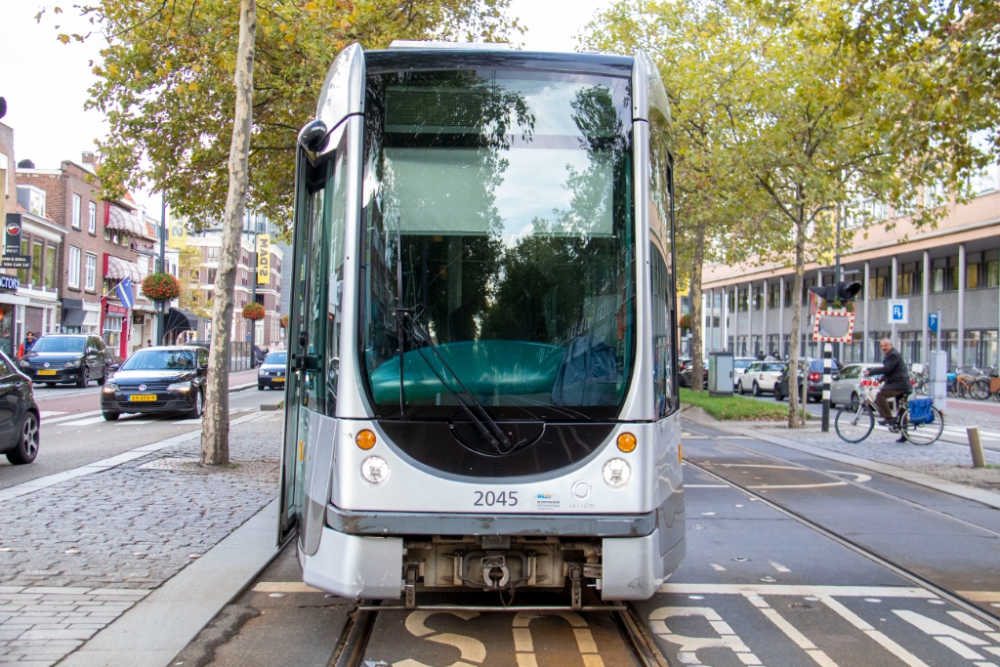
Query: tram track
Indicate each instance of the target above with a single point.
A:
(638, 641)
(941, 591)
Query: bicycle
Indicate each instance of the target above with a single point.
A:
(855, 422)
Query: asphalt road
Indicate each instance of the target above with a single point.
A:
(74, 434)
(792, 560)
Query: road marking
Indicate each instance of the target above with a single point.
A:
(754, 465)
(49, 413)
(77, 415)
(689, 646)
(980, 596)
(801, 590)
(84, 422)
(876, 636)
(717, 568)
(859, 478)
(471, 649)
(284, 587)
(706, 486)
(778, 566)
(818, 656)
(818, 485)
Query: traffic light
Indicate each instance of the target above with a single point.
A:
(843, 291)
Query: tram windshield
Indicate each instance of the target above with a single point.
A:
(501, 202)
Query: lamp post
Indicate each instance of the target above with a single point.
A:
(160, 315)
(253, 292)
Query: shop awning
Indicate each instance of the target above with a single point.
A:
(72, 317)
(180, 320)
(122, 220)
(118, 268)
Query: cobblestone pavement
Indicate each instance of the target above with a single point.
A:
(75, 556)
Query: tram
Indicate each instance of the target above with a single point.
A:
(482, 382)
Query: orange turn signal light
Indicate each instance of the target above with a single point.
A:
(627, 442)
(365, 439)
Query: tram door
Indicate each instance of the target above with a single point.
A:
(305, 391)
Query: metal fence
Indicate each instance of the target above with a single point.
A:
(240, 357)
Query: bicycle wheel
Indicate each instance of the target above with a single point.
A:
(923, 387)
(853, 424)
(980, 389)
(923, 434)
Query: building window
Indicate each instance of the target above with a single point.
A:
(951, 275)
(50, 266)
(76, 211)
(939, 268)
(91, 279)
(788, 294)
(92, 220)
(910, 277)
(107, 234)
(758, 298)
(878, 283)
(992, 268)
(974, 270)
(74, 267)
(36, 263)
(22, 274)
(806, 284)
(743, 300)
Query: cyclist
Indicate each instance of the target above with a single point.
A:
(896, 382)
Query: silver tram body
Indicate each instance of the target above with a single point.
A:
(504, 220)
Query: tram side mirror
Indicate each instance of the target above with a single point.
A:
(313, 136)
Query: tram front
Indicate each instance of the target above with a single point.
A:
(482, 382)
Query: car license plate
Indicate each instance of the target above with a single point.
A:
(46, 372)
(142, 398)
(277, 379)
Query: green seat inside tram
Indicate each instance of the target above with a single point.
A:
(485, 367)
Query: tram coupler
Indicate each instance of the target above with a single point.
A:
(576, 589)
(495, 572)
(410, 585)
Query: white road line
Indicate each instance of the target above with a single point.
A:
(755, 465)
(876, 636)
(799, 590)
(78, 415)
(717, 568)
(778, 566)
(706, 486)
(818, 656)
(84, 422)
(49, 413)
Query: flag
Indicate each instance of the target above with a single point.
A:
(125, 295)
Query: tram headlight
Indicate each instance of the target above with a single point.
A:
(617, 473)
(375, 469)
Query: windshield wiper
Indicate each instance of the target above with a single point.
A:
(487, 425)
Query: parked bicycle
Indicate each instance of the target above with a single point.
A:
(855, 422)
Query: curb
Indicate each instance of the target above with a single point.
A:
(983, 496)
(157, 628)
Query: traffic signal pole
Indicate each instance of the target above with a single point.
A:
(843, 292)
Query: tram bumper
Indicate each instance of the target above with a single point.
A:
(355, 567)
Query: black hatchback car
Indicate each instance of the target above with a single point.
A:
(814, 390)
(158, 380)
(58, 358)
(20, 433)
(272, 371)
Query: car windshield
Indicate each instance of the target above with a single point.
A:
(58, 344)
(276, 358)
(742, 363)
(160, 360)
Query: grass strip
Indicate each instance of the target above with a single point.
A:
(735, 408)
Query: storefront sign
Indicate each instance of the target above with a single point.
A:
(113, 309)
(12, 235)
(263, 259)
(9, 283)
(177, 231)
(15, 261)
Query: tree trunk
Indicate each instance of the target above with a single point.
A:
(697, 317)
(215, 428)
(793, 361)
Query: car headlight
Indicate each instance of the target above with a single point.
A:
(24, 363)
(110, 387)
(75, 363)
(180, 386)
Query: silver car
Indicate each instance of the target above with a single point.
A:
(739, 365)
(760, 377)
(845, 387)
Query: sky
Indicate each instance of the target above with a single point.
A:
(45, 82)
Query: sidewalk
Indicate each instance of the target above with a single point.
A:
(947, 461)
(76, 556)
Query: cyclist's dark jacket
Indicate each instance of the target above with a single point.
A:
(894, 370)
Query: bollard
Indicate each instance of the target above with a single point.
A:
(976, 445)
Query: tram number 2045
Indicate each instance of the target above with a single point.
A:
(491, 499)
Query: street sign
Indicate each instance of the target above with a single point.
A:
(899, 311)
(833, 326)
(15, 262)
(932, 322)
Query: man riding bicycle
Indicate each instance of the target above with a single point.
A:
(896, 381)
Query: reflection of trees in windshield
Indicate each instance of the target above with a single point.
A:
(159, 361)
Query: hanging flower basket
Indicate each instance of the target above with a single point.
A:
(686, 321)
(284, 321)
(160, 287)
(253, 311)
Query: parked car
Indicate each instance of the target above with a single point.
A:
(158, 379)
(272, 371)
(60, 358)
(813, 368)
(684, 379)
(846, 386)
(739, 366)
(20, 432)
(759, 377)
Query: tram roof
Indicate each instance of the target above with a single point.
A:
(435, 58)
